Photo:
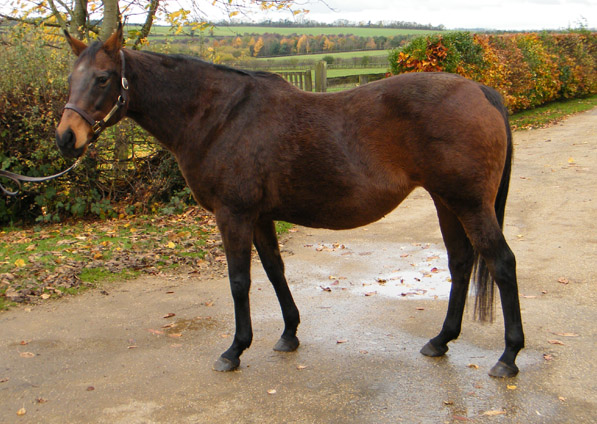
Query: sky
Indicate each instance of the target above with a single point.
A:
(512, 15)
(489, 14)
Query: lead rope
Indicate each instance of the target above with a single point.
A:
(18, 179)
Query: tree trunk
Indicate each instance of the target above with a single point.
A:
(78, 23)
(111, 18)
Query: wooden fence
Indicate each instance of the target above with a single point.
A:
(304, 79)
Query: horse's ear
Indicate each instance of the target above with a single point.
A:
(115, 41)
(76, 45)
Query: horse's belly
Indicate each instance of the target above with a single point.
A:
(342, 212)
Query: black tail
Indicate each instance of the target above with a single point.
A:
(484, 283)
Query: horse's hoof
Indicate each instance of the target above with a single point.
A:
(433, 351)
(225, 364)
(503, 370)
(285, 345)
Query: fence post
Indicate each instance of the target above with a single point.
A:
(363, 79)
(321, 77)
(308, 81)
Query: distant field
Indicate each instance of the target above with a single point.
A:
(241, 30)
(335, 73)
(320, 56)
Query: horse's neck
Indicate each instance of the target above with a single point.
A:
(167, 94)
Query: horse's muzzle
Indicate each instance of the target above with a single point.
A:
(66, 143)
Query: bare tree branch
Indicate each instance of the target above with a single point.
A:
(153, 7)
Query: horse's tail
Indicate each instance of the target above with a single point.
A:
(484, 283)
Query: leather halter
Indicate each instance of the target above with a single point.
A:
(99, 126)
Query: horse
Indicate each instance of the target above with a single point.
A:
(254, 149)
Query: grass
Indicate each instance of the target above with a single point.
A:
(51, 261)
(319, 56)
(551, 113)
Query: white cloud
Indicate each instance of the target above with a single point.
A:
(508, 14)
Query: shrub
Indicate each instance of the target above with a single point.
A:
(528, 69)
(33, 91)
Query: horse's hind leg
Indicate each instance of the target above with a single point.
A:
(266, 242)
(460, 262)
(487, 238)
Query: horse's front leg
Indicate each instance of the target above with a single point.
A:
(237, 234)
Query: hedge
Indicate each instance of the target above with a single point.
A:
(33, 91)
(528, 69)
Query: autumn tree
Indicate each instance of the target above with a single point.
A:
(99, 18)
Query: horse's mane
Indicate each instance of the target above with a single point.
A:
(187, 58)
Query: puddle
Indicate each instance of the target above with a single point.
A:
(413, 271)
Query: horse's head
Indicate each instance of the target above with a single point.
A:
(98, 93)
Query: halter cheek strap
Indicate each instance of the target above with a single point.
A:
(98, 126)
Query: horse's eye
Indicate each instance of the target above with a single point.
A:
(102, 80)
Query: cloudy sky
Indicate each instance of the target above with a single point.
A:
(491, 14)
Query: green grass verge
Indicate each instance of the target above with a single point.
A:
(551, 113)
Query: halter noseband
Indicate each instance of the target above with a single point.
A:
(99, 126)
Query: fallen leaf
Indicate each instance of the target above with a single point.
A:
(156, 332)
(41, 400)
(171, 245)
(341, 341)
(556, 342)
(24, 342)
(19, 263)
(175, 335)
(90, 389)
(27, 355)
(563, 280)
(448, 402)
(21, 412)
(547, 356)
(562, 398)
(420, 308)
(325, 289)
(209, 303)
(271, 392)
(474, 366)
(301, 367)
(4, 380)
(493, 413)
(371, 293)
(169, 315)
(511, 387)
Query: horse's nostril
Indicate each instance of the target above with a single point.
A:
(67, 140)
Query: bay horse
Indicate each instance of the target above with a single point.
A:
(254, 149)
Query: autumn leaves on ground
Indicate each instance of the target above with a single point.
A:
(51, 261)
